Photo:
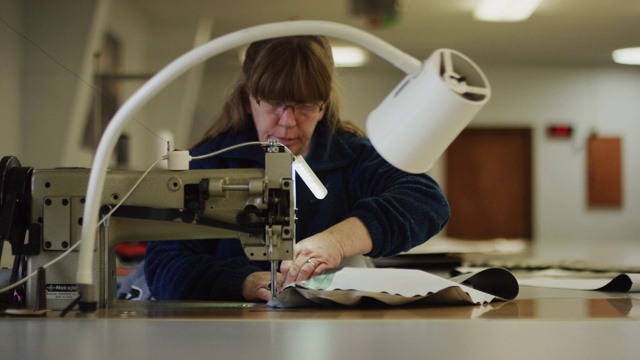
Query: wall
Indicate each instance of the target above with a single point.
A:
(10, 70)
(57, 70)
(148, 47)
(172, 110)
(600, 100)
(11, 44)
(132, 32)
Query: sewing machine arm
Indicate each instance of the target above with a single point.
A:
(255, 206)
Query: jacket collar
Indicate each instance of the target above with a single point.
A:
(327, 151)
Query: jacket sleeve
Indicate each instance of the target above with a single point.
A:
(197, 269)
(400, 210)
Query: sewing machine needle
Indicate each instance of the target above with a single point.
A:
(274, 283)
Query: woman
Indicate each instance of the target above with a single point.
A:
(287, 91)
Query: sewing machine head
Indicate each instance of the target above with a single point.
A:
(42, 216)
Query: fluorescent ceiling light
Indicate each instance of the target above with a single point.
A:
(349, 56)
(343, 56)
(627, 56)
(505, 10)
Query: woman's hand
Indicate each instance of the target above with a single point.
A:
(325, 250)
(312, 256)
(257, 286)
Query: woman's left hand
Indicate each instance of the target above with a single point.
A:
(326, 250)
(312, 256)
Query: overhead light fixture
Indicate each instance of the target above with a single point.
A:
(343, 56)
(349, 56)
(505, 10)
(627, 56)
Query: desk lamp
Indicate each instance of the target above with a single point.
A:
(411, 128)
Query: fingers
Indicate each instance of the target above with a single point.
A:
(257, 286)
(300, 270)
(312, 256)
(263, 294)
(285, 265)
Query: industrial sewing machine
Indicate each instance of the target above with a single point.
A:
(42, 216)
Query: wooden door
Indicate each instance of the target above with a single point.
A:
(488, 184)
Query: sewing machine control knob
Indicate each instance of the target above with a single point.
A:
(174, 184)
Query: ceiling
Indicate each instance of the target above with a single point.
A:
(560, 32)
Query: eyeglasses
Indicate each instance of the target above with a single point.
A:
(278, 108)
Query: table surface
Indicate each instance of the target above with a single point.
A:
(541, 323)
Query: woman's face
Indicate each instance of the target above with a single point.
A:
(294, 130)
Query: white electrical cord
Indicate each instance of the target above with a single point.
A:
(262, 143)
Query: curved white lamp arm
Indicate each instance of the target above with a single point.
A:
(404, 62)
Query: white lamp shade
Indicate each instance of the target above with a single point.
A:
(420, 118)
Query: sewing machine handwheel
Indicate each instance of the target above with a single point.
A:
(7, 178)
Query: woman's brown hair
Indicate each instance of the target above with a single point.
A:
(296, 68)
